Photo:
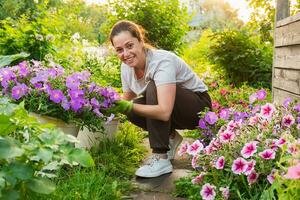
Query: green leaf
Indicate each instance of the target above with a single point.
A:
(9, 148)
(41, 185)
(6, 60)
(82, 157)
(21, 171)
(45, 154)
(10, 195)
(6, 126)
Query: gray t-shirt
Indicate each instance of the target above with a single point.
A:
(163, 67)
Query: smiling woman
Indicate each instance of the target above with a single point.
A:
(170, 95)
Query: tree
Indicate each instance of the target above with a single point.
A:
(217, 15)
(263, 17)
(165, 21)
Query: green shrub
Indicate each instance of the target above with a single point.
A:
(196, 55)
(103, 65)
(242, 57)
(164, 21)
(30, 153)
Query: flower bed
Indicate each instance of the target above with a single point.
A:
(53, 92)
(248, 149)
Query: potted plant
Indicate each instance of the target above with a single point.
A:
(58, 95)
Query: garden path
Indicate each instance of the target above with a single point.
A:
(161, 188)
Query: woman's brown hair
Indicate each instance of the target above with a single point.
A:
(134, 29)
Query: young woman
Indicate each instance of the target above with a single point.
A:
(160, 94)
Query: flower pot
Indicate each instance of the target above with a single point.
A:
(67, 128)
(89, 139)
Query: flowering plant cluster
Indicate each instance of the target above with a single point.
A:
(242, 159)
(53, 92)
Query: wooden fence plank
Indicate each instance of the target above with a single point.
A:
(287, 80)
(288, 35)
(287, 57)
(280, 95)
(288, 20)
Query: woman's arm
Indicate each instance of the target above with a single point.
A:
(165, 97)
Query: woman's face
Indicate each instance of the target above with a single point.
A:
(129, 49)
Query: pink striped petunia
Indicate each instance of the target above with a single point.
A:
(225, 192)
(250, 167)
(183, 148)
(267, 154)
(208, 192)
(220, 163)
(195, 148)
(198, 179)
(249, 149)
(271, 176)
(267, 110)
(288, 120)
(252, 177)
(239, 165)
(226, 136)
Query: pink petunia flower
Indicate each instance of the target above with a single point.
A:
(208, 192)
(226, 136)
(250, 167)
(223, 91)
(215, 105)
(288, 120)
(239, 165)
(267, 110)
(220, 163)
(253, 120)
(225, 192)
(183, 148)
(267, 154)
(194, 161)
(281, 141)
(195, 148)
(249, 149)
(198, 179)
(271, 176)
(292, 148)
(298, 126)
(252, 98)
(293, 172)
(252, 177)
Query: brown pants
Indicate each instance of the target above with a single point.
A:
(184, 115)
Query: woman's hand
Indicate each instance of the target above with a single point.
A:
(122, 106)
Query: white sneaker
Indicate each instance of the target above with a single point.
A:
(154, 167)
(173, 145)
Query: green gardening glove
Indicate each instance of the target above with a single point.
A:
(122, 106)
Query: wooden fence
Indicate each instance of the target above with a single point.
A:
(286, 63)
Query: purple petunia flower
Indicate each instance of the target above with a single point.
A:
(22, 68)
(72, 83)
(56, 96)
(286, 102)
(76, 93)
(76, 104)
(224, 114)
(19, 91)
(202, 124)
(211, 117)
(261, 95)
(95, 103)
(65, 104)
(297, 107)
